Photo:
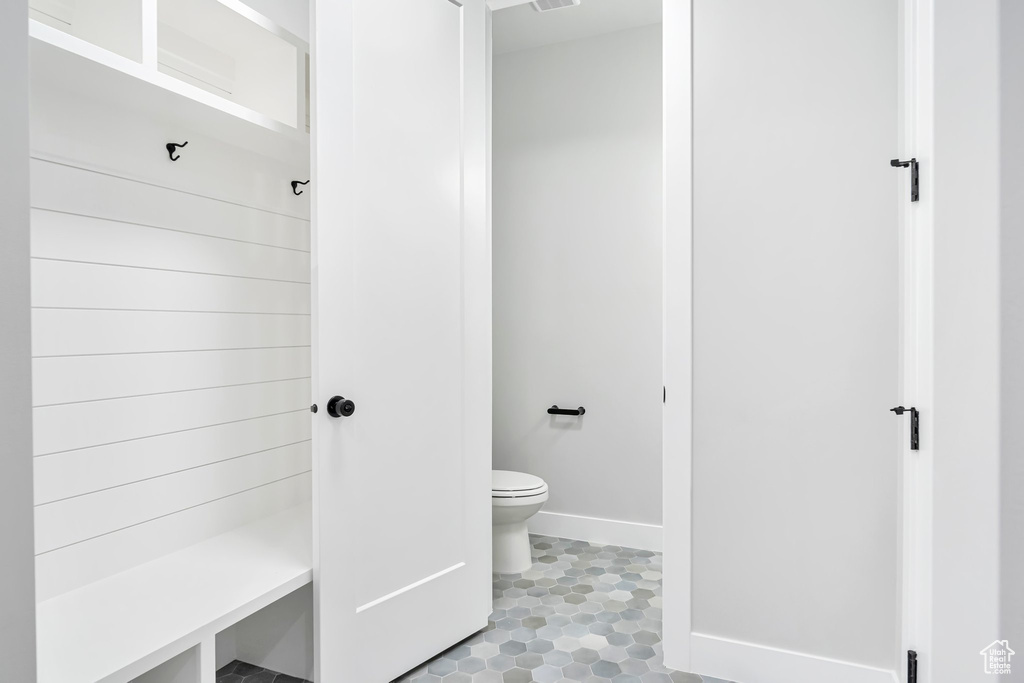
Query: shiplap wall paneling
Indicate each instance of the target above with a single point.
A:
(171, 342)
(80, 564)
(79, 519)
(76, 332)
(77, 472)
(98, 377)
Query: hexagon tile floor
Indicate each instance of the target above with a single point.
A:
(581, 613)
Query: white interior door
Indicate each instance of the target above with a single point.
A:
(401, 328)
(796, 460)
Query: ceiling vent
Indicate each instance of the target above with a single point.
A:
(548, 5)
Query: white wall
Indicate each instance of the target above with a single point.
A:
(796, 334)
(577, 272)
(171, 336)
(1012, 342)
(17, 616)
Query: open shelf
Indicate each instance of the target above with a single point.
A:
(114, 25)
(214, 66)
(216, 48)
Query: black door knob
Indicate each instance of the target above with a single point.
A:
(339, 406)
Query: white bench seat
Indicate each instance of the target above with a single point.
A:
(116, 629)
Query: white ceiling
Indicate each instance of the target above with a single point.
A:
(522, 27)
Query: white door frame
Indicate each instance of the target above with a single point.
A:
(683, 648)
(17, 594)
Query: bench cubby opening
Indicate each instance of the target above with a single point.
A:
(278, 637)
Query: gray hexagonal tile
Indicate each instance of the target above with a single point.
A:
(529, 660)
(634, 667)
(584, 618)
(442, 667)
(567, 644)
(485, 650)
(605, 669)
(585, 656)
(619, 639)
(534, 622)
(638, 651)
(519, 612)
(547, 674)
(517, 676)
(549, 632)
(500, 663)
(524, 635)
(646, 637)
(540, 646)
(577, 671)
(557, 658)
(575, 630)
(471, 665)
(626, 678)
(458, 652)
(497, 636)
(426, 678)
(613, 653)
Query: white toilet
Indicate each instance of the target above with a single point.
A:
(515, 497)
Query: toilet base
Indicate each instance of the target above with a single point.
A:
(510, 546)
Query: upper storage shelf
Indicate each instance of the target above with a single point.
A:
(150, 54)
(221, 48)
(114, 25)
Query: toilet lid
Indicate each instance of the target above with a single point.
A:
(508, 483)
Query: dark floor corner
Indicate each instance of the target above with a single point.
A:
(240, 672)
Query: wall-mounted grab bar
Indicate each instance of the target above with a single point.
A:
(555, 410)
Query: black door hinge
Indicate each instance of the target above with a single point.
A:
(911, 666)
(915, 425)
(915, 176)
(664, 394)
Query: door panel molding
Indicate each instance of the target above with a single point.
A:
(406, 589)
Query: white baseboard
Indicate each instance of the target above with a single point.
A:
(748, 663)
(597, 530)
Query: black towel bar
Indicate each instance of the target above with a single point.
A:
(555, 410)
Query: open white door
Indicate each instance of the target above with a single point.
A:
(402, 329)
(785, 314)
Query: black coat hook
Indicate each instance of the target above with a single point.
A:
(915, 182)
(171, 146)
(295, 186)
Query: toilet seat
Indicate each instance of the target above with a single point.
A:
(508, 484)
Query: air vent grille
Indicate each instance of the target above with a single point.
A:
(548, 5)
